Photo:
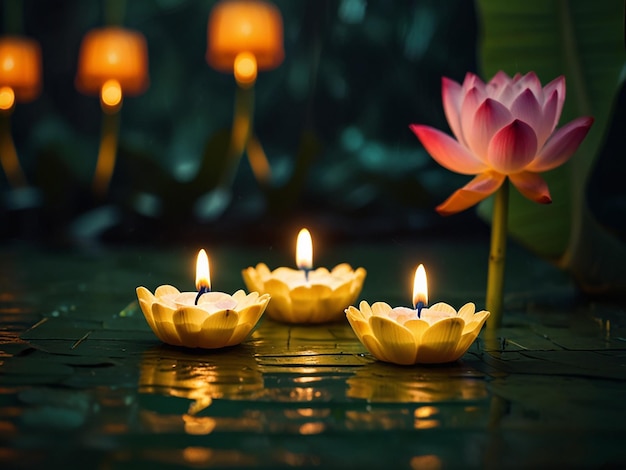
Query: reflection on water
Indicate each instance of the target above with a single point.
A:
(426, 462)
(200, 376)
(385, 383)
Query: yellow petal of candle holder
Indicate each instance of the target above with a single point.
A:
(219, 320)
(320, 299)
(396, 335)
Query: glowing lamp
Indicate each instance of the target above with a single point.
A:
(20, 80)
(418, 335)
(202, 319)
(112, 61)
(243, 36)
(306, 295)
(20, 70)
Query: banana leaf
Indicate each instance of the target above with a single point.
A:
(584, 41)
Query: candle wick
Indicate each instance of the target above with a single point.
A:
(306, 274)
(419, 307)
(202, 290)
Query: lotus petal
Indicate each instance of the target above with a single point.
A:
(556, 86)
(164, 323)
(488, 119)
(466, 312)
(417, 328)
(375, 348)
(512, 147)
(241, 333)
(147, 313)
(218, 329)
(526, 108)
(164, 290)
(481, 187)
(381, 309)
(396, 341)
(532, 186)
(440, 340)
(360, 327)
(452, 95)
(561, 145)
(365, 309)
(448, 152)
(548, 123)
(443, 307)
(188, 322)
(146, 295)
(532, 82)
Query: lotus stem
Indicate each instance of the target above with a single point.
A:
(243, 140)
(240, 133)
(497, 256)
(106, 155)
(8, 154)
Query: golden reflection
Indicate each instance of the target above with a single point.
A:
(426, 412)
(426, 462)
(427, 423)
(379, 382)
(377, 419)
(307, 413)
(312, 428)
(304, 394)
(200, 377)
(199, 426)
(197, 455)
(306, 380)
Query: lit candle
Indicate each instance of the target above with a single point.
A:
(436, 334)
(304, 252)
(203, 275)
(317, 297)
(204, 319)
(420, 290)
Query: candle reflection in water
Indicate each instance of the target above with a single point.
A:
(381, 383)
(201, 379)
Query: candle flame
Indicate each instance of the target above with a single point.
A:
(420, 287)
(304, 250)
(203, 277)
(111, 94)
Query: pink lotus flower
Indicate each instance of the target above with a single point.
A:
(504, 128)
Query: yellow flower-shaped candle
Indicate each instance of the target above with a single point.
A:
(306, 295)
(406, 336)
(204, 319)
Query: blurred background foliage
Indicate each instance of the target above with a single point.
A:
(333, 120)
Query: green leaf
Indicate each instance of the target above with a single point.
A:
(584, 41)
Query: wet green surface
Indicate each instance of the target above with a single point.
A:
(85, 384)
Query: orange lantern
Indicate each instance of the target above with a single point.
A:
(243, 36)
(20, 70)
(112, 61)
(20, 80)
